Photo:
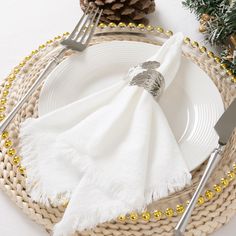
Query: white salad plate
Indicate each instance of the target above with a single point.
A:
(192, 103)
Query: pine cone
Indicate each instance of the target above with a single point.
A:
(122, 10)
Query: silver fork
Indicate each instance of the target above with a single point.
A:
(88, 26)
(78, 40)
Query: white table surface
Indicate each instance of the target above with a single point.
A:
(26, 24)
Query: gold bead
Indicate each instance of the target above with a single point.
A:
(157, 214)
(16, 70)
(209, 194)
(121, 218)
(5, 93)
(187, 40)
(11, 77)
(150, 28)
(131, 25)
(133, 216)
(8, 143)
(217, 188)
(169, 33)
(224, 182)
(122, 25)
(34, 52)
(102, 25)
(5, 135)
(21, 64)
(57, 37)
(160, 30)
(217, 59)
(169, 212)
(66, 34)
(229, 72)
(2, 108)
(16, 160)
(112, 25)
(233, 79)
(231, 175)
(200, 200)
(223, 66)
(11, 152)
(42, 46)
(146, 216)
(3, 101)
(210, 54)
(202, 49)
(2, 117)
(8, 85)
(187, 202)
(49, 41)
(195, 44)
(27, 58)
(180, 209)
(21, 169)
(141, 26)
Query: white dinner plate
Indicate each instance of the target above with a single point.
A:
(192, 103)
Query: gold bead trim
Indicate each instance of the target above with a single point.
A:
(11, 152)
(157, 214)
(180, 209)
(149, 28)
(207, 196)
(146, 216)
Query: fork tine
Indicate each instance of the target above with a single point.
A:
(89, 26)
(83, 30)
(89, 15)
(93, 28)
(72, 35)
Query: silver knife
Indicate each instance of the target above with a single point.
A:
(224, 128)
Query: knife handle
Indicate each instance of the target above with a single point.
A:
(213, 160)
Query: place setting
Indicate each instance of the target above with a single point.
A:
(120, 129)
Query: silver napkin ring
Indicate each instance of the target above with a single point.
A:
(149, 78)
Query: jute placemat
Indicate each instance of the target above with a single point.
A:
(216, 205)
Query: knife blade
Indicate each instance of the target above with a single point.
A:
(224, 128)
(226, 123)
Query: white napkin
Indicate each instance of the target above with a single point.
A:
(111, 153)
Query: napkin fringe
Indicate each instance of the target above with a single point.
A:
(104, 213)
(81, 222)
(174, 183)
(177, 183)
(35, 187)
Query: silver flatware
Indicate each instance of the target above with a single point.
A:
(224, 128)
(78, 40)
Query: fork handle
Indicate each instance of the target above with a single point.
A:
(213, 161)
(33, 88)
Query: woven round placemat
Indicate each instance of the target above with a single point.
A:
(216, 205)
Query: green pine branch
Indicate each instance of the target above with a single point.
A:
(210, 7)
(222, 23)
(222, 26)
